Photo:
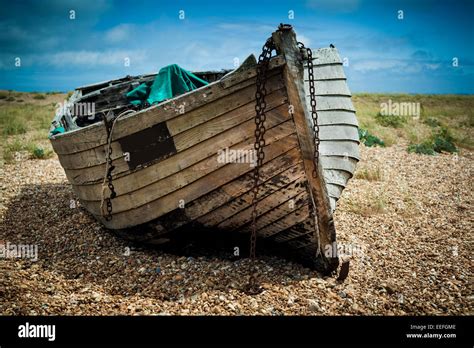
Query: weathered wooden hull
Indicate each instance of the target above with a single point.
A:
(168, 172)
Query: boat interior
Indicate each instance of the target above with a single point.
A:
(90, 104)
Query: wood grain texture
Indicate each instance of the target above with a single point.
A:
(282, 189)
(330, 117)
(198, 158)
(293, 74)
(338, 131)
(174, 189)
(287, 221)
(194, 190)
(95, 134)
(242, 185)
(137, 196)
(206, 120)
(243, 201)
(326, 55)
(326, 72)
(296, 201)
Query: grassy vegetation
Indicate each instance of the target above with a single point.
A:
(393, 121)
(369, 139)
(444, 121)
(369, 174)
(24, 125)
(371, 205)
(19, 148)
(440, 141)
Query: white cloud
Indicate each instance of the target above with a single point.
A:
(304, 39)
(94, 58)
(402, 66)
(372, 65)
(433, 66)
(119, 33)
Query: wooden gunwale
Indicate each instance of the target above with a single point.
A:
(95, 135)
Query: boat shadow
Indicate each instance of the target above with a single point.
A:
(72, 244)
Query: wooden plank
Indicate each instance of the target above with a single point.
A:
(338, 163)
(338, 177)
(330, 117)
(286, 44)
(94, 175)
(332, 103)
(193, 191)
(285, 222)
(89, 158)
(98, 85)
(130, 200)
(216, 114)
(304, 244)
(243, 184)
(225, 105)
(329, 87)
(229, 120)
(338, 132)
(290, 234)
(326, 72)
(239, 76)
(339, 148)
(334, 190)
(297, 231)
(220, 196)
(299, 199)
(326, 55)
(95, 135)
(333, 202)
(193, 162)
(238, 212)
(240, 202)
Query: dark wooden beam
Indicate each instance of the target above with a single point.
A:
(293, 73)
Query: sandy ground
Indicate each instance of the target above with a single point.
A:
(409, 235)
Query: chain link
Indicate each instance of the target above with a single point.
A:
(260, 129)
(314, 114)
(111, 167)
(260, 117)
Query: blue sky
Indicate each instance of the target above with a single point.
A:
(385, 54)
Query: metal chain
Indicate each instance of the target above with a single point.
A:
(316, 141)
(109, 126)
(260, 117)
(260, 129)
(314, 114)
(111, 167)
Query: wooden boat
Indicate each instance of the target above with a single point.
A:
(173, 178)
